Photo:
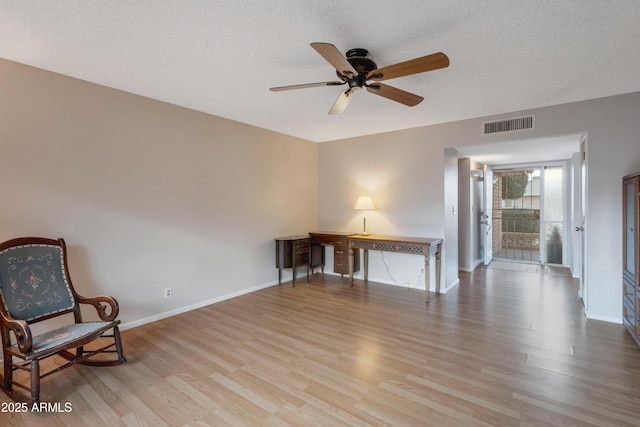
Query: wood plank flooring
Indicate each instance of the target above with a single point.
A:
(505, 348)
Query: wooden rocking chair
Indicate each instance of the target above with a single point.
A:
(35, 286)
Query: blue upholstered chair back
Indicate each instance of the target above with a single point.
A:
(33, 282)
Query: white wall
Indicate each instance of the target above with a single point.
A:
(148, 195)
(405, 171)
(451, 210)
(469, 200)
(465, 262)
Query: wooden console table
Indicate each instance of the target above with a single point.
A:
(407, 245)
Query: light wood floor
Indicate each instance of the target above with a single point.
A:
(504, 348)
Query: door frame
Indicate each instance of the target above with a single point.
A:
(565, 203)
(583, 289)
(486, 221)
(483, 149)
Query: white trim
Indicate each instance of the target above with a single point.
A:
(450, 287)
(201, 304)
(617, 320)
(475, 265)
(419, 286)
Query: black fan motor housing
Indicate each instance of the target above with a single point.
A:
(357, 57)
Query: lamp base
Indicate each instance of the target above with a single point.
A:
(364, 227)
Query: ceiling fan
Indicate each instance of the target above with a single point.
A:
(356, 70)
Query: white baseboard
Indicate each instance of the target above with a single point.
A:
(475, 264)
(200, 304)
(180, 310)
(446, 289)
(450, 286)
(604, 318)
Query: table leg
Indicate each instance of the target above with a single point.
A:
(351, 265)
(293, 263)
(366, 264)
(438, 272)
(280, 251)
(427, 277)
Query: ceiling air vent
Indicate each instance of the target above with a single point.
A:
(510, 125)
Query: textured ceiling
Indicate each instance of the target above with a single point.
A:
(221, 57)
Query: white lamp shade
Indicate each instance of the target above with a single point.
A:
(364, 203)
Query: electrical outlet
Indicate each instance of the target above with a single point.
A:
(167, 292)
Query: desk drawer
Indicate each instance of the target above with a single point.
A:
(341, 242)
(340, 255)
(302, 258)
(341, 252)
(302, 251)
(329, 239)
(340, 261)
(291, 253)
(302, 246)
(322, 239)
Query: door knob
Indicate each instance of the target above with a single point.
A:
(579, 228)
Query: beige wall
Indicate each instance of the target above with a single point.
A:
(148, 195)
(403, 172)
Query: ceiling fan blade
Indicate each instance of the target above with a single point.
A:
(305, 85)
(335, 58)
(413, 66)
(395, 94)
(342, 101)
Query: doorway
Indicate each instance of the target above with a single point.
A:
(528, 215)
(568, 150)
(516, 215)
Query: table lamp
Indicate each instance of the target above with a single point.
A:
(365, 204)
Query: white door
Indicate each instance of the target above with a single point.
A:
(487, 220)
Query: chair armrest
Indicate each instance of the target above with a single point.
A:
(106, 312)
(22, 332)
